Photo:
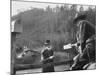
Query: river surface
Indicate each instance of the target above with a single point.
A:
(59, 68)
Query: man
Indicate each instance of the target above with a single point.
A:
(47, 57)
(86, 38)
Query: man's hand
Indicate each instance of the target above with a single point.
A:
(51, 57)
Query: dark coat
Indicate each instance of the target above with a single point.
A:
(48, 64)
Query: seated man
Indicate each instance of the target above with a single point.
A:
(87, 43)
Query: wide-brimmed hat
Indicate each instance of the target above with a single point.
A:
(79, 17)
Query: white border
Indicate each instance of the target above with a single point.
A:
(5, 36)
(90, 2)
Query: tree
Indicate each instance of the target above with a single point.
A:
(48, 9)
(81, 9)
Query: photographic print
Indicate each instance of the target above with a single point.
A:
(52, 37)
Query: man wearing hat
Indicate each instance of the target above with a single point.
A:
(86, 38)
(47, 57)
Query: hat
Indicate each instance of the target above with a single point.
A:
(79, 17)
(47, 42)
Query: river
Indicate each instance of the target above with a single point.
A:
(59, 68)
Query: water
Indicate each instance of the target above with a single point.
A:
(59, 68)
